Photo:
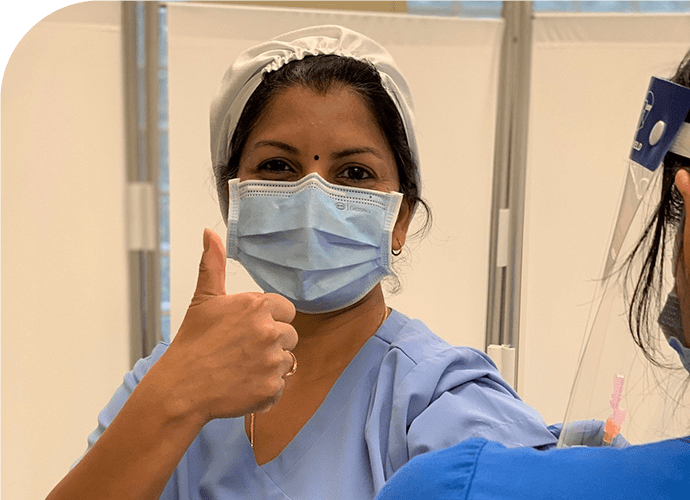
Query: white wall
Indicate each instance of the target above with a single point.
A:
(64, 300)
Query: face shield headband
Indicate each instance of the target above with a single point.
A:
(662, 127)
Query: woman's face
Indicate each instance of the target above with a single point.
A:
(332, 134)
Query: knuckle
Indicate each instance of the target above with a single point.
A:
(271, 331)
(275, 385)
(274, 361)
(292, 336)
(281, 301)
(260, 299)
(245, 299)
(266, 332)
(247, 296)
(269, 390)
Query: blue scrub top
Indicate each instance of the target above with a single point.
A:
(482, 470)
(405, 393)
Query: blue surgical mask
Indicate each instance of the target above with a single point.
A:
(320, 245)
(671, 324)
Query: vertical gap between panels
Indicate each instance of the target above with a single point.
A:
(163, 175)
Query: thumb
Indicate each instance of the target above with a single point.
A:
(211, 279)
(682, 182)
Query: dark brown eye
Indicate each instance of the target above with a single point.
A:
(356, 173)
(276, 165)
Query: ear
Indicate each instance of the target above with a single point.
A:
(402, 225)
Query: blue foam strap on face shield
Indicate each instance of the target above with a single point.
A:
(666, 108)
(663, 115)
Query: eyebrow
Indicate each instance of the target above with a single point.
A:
(354, 151)
(277, 144)
(335, 156)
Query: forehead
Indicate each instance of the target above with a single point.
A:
(339, 108)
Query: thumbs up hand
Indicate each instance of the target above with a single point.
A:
(230, 355)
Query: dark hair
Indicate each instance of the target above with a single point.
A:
(658, 235)
(321, 73)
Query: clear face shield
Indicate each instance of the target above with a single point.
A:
(617, 391)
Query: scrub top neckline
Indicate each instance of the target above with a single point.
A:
(329, 409)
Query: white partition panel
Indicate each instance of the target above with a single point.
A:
(64, 268)
(589, 78)
(452, 68)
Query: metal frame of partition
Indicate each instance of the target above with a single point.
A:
(508, 198)
(140, 56)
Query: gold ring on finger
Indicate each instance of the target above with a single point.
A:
(294, 363)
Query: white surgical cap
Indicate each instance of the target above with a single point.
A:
(244, 76)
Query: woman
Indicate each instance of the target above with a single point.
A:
(315, 160)
(479, 468)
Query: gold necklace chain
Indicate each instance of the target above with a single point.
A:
(252, 416)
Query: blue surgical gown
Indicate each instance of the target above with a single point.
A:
(406, 392)
(482, 470)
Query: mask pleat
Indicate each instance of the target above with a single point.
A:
(321, 246)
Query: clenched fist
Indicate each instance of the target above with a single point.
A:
(230, 355)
